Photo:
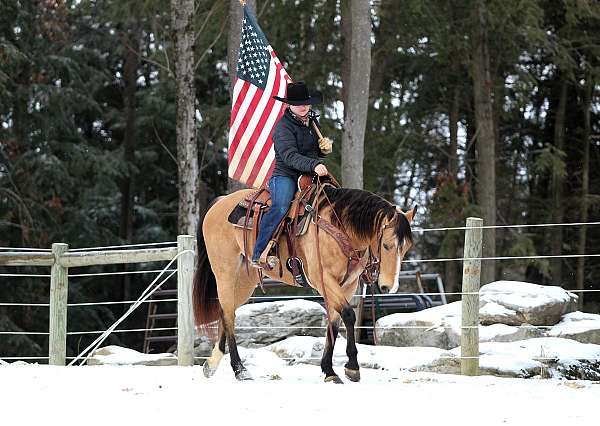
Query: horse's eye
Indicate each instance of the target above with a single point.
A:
(385, 246)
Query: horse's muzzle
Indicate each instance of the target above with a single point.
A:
(384, 289)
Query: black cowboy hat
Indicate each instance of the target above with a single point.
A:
(298, 94)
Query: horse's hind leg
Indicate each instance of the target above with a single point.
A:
(212, 363)
(327, 359)
(231, 298)
(351, 368)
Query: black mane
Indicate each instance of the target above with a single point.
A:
(363, 212)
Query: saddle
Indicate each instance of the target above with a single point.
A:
(250, 210)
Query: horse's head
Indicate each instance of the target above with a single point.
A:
(395, 239)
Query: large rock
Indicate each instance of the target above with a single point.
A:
(427, 328)
(538, 357)
(260, 324)
(440, 327)
(515, 303)
(580, 326)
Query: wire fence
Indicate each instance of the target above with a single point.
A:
(284, 297)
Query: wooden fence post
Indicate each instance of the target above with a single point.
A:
(185, 314)
(469, 340)
(59, 290)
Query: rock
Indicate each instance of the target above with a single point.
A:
(260, 324)
(440, 327)
(514, 303)
(426, 328)
(116, 355)
(494, 313)
(537, 357)
(580, 326)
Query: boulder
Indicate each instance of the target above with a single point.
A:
(260, 324)
(537, 357)
(434, 327)
(515, 303)
(580, 326)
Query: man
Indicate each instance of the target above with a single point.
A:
(297, 151)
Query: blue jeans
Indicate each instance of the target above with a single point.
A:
(282, 190)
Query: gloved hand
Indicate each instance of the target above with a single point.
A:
(326, 145)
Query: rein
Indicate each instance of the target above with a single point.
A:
(371, 269)
(355, 257)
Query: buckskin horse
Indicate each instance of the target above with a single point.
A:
(351, 232)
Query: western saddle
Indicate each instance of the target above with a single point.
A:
(249, 212)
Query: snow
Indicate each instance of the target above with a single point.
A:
(575, 323)
(523, 294)
(117, 355)
(494, 309)
(283, 395)
(491, 332)
(287, 305)
(431, 315)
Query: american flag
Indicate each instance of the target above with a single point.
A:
(254, 113)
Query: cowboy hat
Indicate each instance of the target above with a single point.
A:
(298, 94)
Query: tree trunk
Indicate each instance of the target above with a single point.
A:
(357, 94)
(558, 182)
(486, 178)
(236, 13)
(182, 12)
(130, 69)
(585, 185)
(451, 268)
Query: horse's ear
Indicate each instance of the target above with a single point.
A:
(410, 215)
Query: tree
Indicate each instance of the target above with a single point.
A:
(182, 14)
(486, 175)
(357, 44)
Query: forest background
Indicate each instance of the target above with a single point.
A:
(471, 108)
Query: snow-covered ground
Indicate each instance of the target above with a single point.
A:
(141, 395)
(293, 393)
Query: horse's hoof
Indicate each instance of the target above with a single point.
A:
(243, 375)
(334, 379)
(352, 375)
(207, 370)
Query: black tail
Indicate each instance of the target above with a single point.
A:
(205, 300)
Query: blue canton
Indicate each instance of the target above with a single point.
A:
(254, 59)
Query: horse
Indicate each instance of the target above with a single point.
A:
(375, 229)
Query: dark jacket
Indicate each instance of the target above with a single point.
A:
(296, 147)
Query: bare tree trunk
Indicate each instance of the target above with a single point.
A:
(236, 13)
(127, 184)
(486, 177)
(357, 94)
(585, 185)
(558, 182)
(182, 12)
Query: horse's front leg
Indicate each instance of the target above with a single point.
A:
(327, 359)
(351, 368)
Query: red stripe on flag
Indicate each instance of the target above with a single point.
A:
(258, 130)
(243, 128)
(269, 142)
(237, 103)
